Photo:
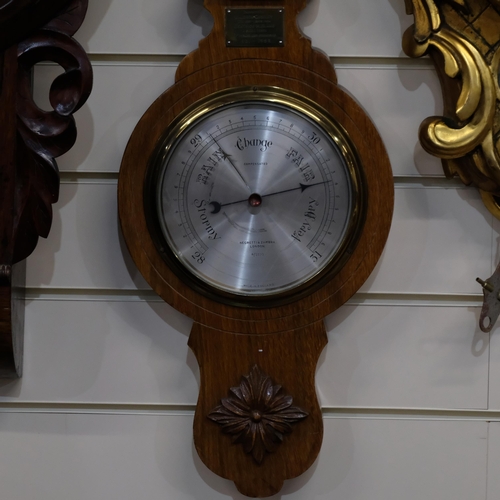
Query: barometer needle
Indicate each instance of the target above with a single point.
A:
(216, 206)
(228, 158)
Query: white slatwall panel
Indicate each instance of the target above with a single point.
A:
(85, 248)
(102, 351)
(440, 240)
(122, 93)
(128, 457)
(173, 27)
(413, 357)
(494, 388)
(419, 382)
(493, 461)
(397, 100)
(136, 353)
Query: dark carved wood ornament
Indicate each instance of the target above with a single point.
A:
(254, 434)
(30, 138)
(257, 414)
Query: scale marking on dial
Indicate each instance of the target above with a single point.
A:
(255, 198)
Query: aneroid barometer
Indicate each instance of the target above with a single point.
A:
(256, 196)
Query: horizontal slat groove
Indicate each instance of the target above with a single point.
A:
(362, 298)
(91, 294)
(340, 62)
(417, 299)
(188, 410)
(337, 61)
(400, 182)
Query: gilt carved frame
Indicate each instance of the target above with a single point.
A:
(462, 37)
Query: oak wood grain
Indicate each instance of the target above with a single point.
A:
(378, 181)
(285, 340)
(297, 49)
(290, 359)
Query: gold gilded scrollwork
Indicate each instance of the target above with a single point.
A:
(463, 39)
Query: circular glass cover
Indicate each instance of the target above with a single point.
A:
(256, 193)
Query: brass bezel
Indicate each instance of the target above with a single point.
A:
(299, 104)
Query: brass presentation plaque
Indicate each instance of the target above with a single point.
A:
(255, 27)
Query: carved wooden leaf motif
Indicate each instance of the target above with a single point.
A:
(32, 31)
(44, 135)
(71, 19)
(257, 414)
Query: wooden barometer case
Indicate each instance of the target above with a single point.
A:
(255, 196)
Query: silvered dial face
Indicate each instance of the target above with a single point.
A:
(255, 197)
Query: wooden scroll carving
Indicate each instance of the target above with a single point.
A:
(463, 39)
(32, 31)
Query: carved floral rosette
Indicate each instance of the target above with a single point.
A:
(257, 414)
(463, 39)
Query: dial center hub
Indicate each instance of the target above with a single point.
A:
(255, 200)
(256, 415)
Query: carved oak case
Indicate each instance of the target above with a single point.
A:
(255, 196)
(32, 31)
